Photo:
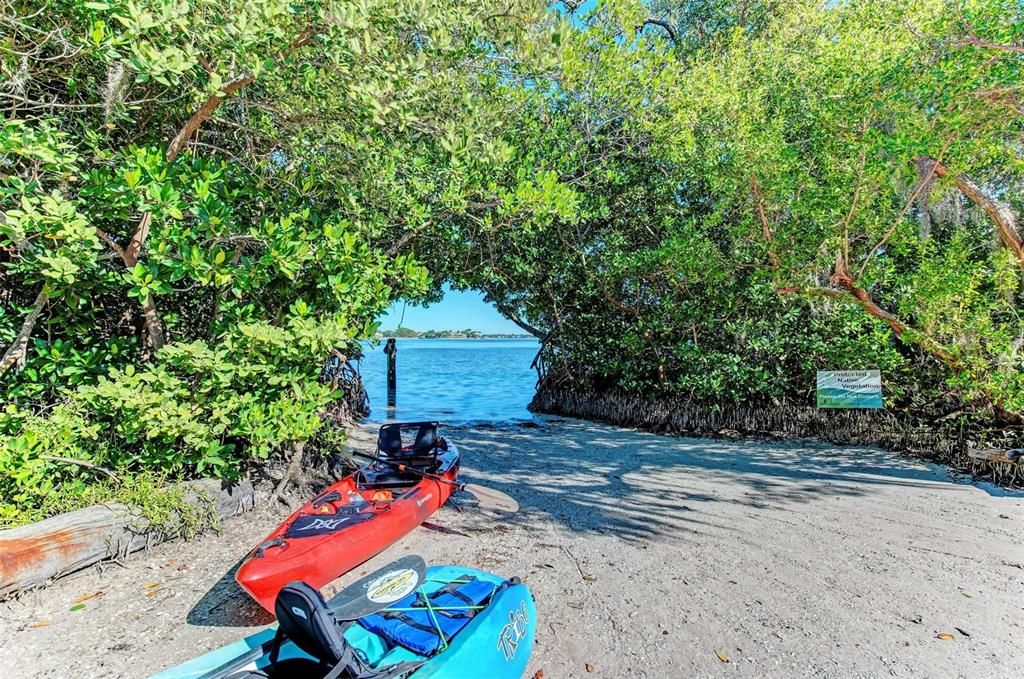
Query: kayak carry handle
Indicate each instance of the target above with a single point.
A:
(276, 542)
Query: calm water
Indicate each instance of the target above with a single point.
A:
(454, 381)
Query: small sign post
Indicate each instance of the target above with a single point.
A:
(849, 389)
(391, 351)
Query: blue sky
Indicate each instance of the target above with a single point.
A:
(457, 311)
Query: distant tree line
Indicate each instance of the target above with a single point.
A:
(409, 333)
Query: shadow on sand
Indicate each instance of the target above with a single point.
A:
(599, 479)
(636, 485)
(227, 605)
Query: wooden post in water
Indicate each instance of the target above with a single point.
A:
(390, 350)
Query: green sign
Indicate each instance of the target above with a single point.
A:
(849, 389)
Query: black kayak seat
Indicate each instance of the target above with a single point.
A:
(389, 440)
(390, 443)
(423, 450)
(426, 438)
(304, 618)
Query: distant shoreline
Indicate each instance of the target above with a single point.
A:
(482, 337)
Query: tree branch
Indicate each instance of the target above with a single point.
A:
(130, 255)
(15, 354)
(1001, 214)
(154, 327)
(616, 303)
(973, 39)
(661, 23)
(766, 229)
(204, 112)
(864, 301)
(106, 238)
(82, 463)
(978, 42)
(841, 277)
(925, 182)
(515, 318)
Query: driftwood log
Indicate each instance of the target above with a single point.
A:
(35, 554)
(1005, 466)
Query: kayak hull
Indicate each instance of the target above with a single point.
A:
(374, 508)
(496, 644)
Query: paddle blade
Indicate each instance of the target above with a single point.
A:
(492, 499)
(379, 589)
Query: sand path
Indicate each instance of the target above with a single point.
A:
(648, 556)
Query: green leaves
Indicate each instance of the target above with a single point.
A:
(627, 223)
(596, 181)
(54, 241)
(144, 281)
(306, 139)
(132, 177)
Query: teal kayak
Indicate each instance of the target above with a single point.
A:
(458, 622)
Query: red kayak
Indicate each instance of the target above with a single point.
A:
(357, 517)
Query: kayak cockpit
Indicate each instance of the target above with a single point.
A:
(413, 444)
(456, 613)
(378, 475)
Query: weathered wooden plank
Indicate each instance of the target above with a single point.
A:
(37, 553)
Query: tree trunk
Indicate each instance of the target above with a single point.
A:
(15, 354)
(926, 177)
(518, 320)
(154, 328)
(294, 463)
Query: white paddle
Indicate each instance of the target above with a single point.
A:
(379, 589)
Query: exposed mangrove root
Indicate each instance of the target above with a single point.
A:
(294, 462)
(947, 442)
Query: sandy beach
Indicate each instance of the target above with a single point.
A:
(649, 556)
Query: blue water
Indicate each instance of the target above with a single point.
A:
(454, 381)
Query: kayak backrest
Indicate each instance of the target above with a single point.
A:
(426, 438)
(304, 618)
(390, 440)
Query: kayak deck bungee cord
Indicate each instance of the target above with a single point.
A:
(442, 622)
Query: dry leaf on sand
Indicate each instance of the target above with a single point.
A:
(86, 597)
